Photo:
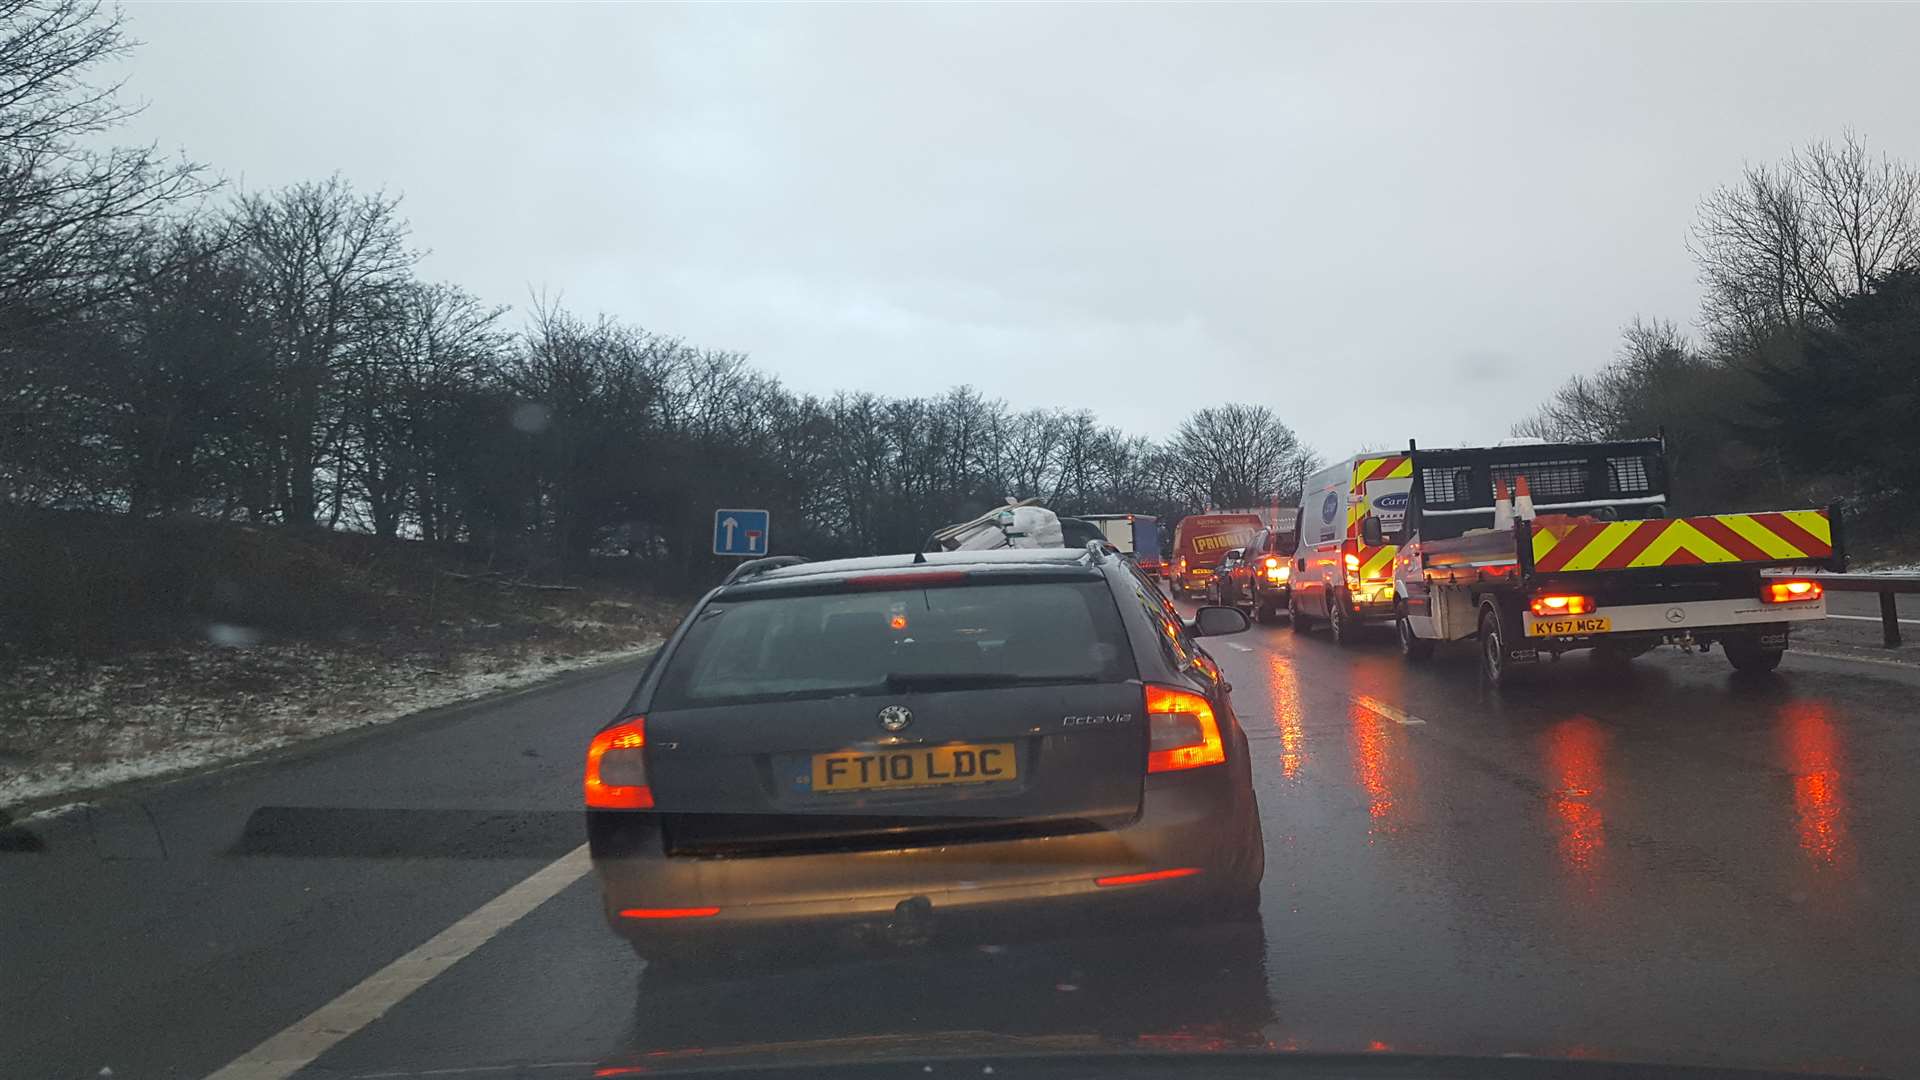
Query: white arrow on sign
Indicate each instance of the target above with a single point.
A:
(729, 524)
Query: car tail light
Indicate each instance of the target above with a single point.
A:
(1791, 592)
(1562, 604)
(617, 768)
(1278, 573)
(1150, 875)
(1272, 562)
(1181, 731)
(668, 912)
(1353, 563)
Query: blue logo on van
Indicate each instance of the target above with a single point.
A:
(1330, 507)
(1394, 500)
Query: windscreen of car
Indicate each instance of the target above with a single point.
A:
(874, 641)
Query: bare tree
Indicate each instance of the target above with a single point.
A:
(68, 211)
(1781, 248)
(1238, 455)
(427, 345)
(330, 258)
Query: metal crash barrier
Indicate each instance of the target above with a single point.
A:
(1888, 586)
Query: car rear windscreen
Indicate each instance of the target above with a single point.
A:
(871, 641)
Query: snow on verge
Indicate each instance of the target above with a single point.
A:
(172, 736)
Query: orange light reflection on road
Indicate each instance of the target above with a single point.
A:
(1283, 687)
(1370, 761)
(1819, 800)
(1574, 757)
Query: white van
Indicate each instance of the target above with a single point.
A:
(1336, 576)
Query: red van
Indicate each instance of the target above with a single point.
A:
(1200, 541)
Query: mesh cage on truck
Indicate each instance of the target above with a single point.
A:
(1592, 474)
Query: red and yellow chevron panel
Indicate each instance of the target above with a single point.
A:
(1390, 467)
(1375, 563)
(1786, 536)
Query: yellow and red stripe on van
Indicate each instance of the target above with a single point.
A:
(1787, 536)
(1375, 563)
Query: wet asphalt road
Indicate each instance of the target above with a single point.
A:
(1671, 864)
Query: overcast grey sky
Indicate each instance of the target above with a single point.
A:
(1135, 209)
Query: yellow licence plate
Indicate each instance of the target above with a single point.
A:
(1591, 624)
(919, 766)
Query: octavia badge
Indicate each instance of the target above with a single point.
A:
(895, 717)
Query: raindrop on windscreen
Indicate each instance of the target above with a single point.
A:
(231, 636)
(531, 417)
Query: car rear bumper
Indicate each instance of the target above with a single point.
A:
(1187, 825)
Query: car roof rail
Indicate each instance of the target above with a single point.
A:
(1099, 549)
(760, 566)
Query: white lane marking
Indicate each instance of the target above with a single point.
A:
(1870, 618)
(1237, 645)
(1801, 651)
(1386, 710)
(298, 1046)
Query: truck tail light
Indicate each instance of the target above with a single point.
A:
(1791, 592)
(617, 768)
(1561, 604)
(1181, 731)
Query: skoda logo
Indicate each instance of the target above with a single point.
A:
(895, 717)
(1676, 615)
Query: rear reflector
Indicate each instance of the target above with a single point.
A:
(1181, 731)
(1791, 592)
(668, 912)
(1151, 875)
(617, 768)
(913, 580)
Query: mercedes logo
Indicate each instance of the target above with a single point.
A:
(895, 717)
(1676, 615)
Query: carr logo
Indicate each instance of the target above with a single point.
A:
(1330, 507)
(1392, 500)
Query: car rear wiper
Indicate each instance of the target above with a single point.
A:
(969, 680)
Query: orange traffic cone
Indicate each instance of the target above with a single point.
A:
(1502, 509)
(1522, 499)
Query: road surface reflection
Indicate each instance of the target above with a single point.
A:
(1202, 988)
(1575, 750)
(1283, 690)
(1813, 755)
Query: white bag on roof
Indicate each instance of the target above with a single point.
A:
(1015, 527)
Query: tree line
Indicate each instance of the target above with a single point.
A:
(1803, 384)
(170, 347)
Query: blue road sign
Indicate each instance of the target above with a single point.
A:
(740, 532)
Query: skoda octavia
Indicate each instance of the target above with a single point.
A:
(897, 746)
